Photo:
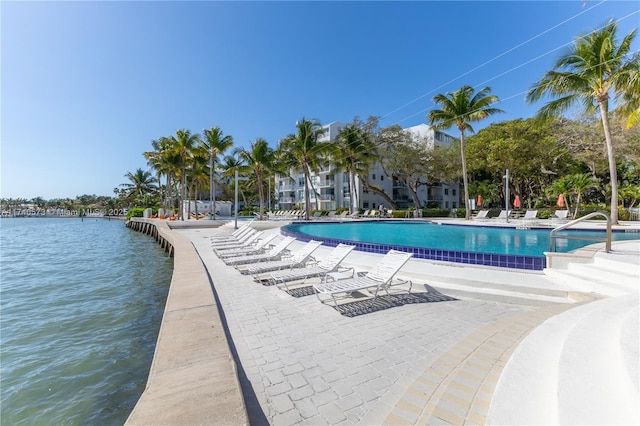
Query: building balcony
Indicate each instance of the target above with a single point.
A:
(325, 197)
(327, 183)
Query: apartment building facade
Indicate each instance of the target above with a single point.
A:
(330, 189)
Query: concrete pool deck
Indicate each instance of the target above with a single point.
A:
(450, 357)
(470, 345)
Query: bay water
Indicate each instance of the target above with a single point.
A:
(81, 302)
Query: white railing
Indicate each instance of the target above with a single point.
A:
(553, 236)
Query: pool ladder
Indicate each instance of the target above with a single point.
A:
(553, 236)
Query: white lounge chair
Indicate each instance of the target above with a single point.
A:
(273, 254)
(234, 236)
(247, 241)
(481, 215)
(259, 247)
(504, 214)
(380, 277)
(296, 260)
(231, 241)
(560, 216)
(530, 216)
(321, 269)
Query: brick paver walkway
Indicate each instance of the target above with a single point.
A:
(302, 362)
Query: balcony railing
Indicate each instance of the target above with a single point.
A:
(327, 183)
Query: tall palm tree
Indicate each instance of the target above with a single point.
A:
(580, 183)
(460, 108)
(141, 183)
(355, 154)
(216, 144)
(589, 72)
(303, 151)
(258, 160)
(165, 162)
(198, 175)
(184, 145)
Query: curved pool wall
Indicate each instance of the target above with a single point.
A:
(531, 263)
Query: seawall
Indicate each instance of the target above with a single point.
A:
(193, 378)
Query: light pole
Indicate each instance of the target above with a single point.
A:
(506, 190)
(236, 204)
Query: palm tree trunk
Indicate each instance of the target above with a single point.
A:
(261, 197)
(613, 173)
(353, 197)
(465, 180)
(307, 201)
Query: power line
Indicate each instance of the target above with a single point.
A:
(493, 59)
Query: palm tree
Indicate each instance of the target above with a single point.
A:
(166, 162)
(593, 68)
(258, 160)
(216, 145)
(302, 150)
(355, 154)
(198, 176)
(141, 183)
(184, 145)
(579, 184)
(460, 108)
(561, 186)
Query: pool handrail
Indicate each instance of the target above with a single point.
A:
(607, 240)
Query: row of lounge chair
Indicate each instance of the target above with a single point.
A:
(274, 265)
(286, 215)
(530, 216)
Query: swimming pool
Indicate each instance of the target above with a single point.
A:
(477, 245)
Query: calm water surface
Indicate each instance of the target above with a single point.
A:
(81, 305)
(498, 240)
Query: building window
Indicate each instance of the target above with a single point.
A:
(453, 191)
(365, 205)
(446, 191)
(381, 178)
(373, 176)
(446, 204)
(454, 205)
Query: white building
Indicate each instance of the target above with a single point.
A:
(332, 185)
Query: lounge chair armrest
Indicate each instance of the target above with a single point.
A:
(345, 269)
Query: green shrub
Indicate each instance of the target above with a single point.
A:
(135, 212)
(624, 214)
(545, 214)
(436, 212)
(459, 213)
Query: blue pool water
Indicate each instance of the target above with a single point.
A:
(491, 246)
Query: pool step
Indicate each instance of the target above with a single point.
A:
(602, 276)
(612, 274)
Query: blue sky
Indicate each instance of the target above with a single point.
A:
(86, 86)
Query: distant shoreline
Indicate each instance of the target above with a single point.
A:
(63, 217)
(59, 212)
